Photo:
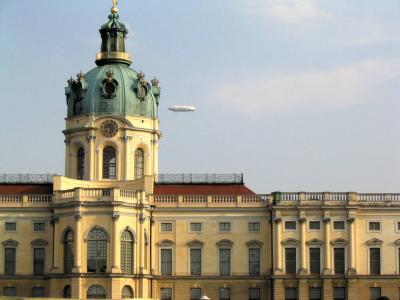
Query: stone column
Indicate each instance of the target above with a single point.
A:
(116, 245)
(352, 244)
(327, 248)
(303, 249)
(277, 223)
(56, 245)
(125, 165)
(78, 243)
(91, 163)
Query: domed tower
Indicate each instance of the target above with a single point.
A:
(112, 126)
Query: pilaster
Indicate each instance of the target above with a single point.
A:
(116, 245)
(78, 243)
(327, 249)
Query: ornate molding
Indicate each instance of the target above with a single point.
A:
(374, 242)
(78, 215)
(224, 243)
(91, 138)
(115, 216)
(350, 220)
(39, 242)
(254, 244)
(277, 220)
(195, 243)
(314, 242)
(326, 220)
(165, 243)
(339, 242)
(10, 243)
(302, 220)
(290, 242)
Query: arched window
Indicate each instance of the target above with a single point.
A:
(127, 252)
(96, 292)
(81, 164)
(139, 163)
(68, 251)
(67, 291)
(109, 163)
(97, 251)
(127, 292)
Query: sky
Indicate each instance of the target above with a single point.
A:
(299, 95)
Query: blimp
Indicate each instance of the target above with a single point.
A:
(182, 108)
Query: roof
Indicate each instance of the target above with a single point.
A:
(26, 189)
(202, 189)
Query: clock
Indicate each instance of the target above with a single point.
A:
(109, 128)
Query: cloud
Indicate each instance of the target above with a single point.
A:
(328, 89)
(290, 11)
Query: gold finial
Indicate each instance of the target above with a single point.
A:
(114, 8)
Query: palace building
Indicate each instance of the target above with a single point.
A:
(113, 227)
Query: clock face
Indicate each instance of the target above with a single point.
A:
(109, 128)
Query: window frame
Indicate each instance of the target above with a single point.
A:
(112, 170)
(139, 163)
(166, 222)
(374, 221)
(190, 260)
(80, 163)
(38, 263)
(39, 222)
(313, 230)
(193, 297)
(375, 287)
(249, 260)
(289, 229)
(397, 225)
(8, 223)
(309, 260)
(345, 259)
(161, 294)
(172, 260)
(256, 230)
(339, 230)
(12, 288)
(321, 292)
(340, 287)
(38, 288)
(296, 292)
(68, 261)
(370, 261)
(124, 255)
(224, 288)
(95, 243)
(296, 262)
(14, 262)
(195, 223)
(259, 293)
(220, 262)
(224, 223)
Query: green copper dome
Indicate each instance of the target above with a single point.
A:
(112, 88)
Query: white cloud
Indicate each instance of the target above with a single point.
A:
(332, 89)
(290, 11)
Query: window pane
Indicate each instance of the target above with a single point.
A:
(254, 226)
(81, 163)
(254, 294)
(10, 291)
(254, 262)
(38, 261)
(339, 293)
(9, 266)
(166, 227)
(315, 293)
(375, 261)
(339, 260)
(314, 225)
(195, 261)
(290, 225)
(127, 292)
(166, 261)
(96, 292)
(290, 260)
(11, 226)
(225, 262)
(39, 226)
(195, 294)
(109, 163)
(139, 163)
(38, 292)
(195, 226)
(224, 293)
(290, 293)
(67, 291)
(338, 225)
(166, 294)
(224, 226)
(97, 251)
(68, 252)
(374, 226)
(127, 252)
(375, 293)
(315, 260)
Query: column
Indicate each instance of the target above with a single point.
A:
(90, 158)
(327, 248)
(303, 250)
(116, 245)
(277, 223)
(352, 243)
(125, 166)
(78, 243)
(67, 157)
(56, 245)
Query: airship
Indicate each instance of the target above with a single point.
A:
(182, 108)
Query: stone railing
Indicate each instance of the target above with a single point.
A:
(211, 200)
(40, 200)
(95, 194)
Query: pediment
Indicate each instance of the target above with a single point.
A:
(254, 243)
(315, 242)
(290, 242)
(195, 243)
(374, 242)
(165, 243)
(339, 242)
(39, 242)
(10, 243)
(225, 243)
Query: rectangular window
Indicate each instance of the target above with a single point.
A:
(254, 226)
(195, 227)
(195, 261)
(11, 226)
(9, 261)
(314, 225)
(224, 226)
(290, 293)
(375, 261)
(38, 261)
(338, 225)
(38, 292)
(166, 294)
(398, 226)
(10, 291)
(339, 293)
(224, 294)
(195, 294)
(254, 294)
(166, 261)
(315, 293)
(290, 260)
(39, 226)
(254, 261)
(290, 225)
(375, 293)
(224, 262)
(166, 227)
(374, 226)
(339, 260)
(315, 261)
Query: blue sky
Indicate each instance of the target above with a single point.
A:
(296, 94)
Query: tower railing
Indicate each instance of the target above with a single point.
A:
(26, 178)
(235, 178)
